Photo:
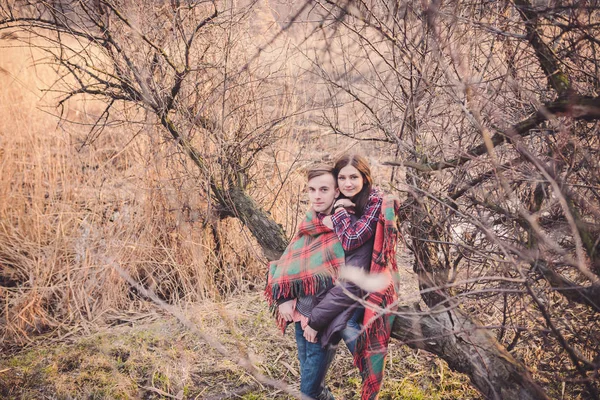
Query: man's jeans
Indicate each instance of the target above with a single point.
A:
(314, 362)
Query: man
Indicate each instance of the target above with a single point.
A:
(299, 281)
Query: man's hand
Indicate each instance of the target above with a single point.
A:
(328, 222)
(287, 310)
(310, 334)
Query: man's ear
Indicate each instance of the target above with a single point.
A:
(337, 193)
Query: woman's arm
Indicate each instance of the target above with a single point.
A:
(354, 235)
(335, 301)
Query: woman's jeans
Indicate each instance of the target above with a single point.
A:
(314, 362)
(353, 329)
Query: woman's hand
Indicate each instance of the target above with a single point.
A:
(310, 334)
(328, 222)
(286, 310)
(346, 203)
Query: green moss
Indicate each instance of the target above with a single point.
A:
(406, 390)
(161, 381)
(28, 358)
(354, 382)
(253, 396)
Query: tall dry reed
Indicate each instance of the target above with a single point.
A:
(70, 212)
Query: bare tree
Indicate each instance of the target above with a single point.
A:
(492, 108)
(178, 65)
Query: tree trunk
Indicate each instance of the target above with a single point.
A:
(469, 348)
(266, 231)
(433, 274)
(450, 333)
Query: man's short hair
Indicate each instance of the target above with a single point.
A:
(318, 170)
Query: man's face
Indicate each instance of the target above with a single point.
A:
(322, 192)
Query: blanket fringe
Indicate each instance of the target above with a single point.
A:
(298, 288)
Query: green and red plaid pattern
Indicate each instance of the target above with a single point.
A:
(310, 263)
(372, 344)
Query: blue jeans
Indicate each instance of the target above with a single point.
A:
(353, 329)
(314, 362)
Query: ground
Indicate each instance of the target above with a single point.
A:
(153, 356)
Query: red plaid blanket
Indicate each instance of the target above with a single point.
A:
(372, 345)
(310, 263)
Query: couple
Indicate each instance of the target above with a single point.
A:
(352, 224)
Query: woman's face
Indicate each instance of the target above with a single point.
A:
(350, 181)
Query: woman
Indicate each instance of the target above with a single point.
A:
(368, 237)
(354, 221)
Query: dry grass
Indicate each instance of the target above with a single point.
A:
(153, 357)
(71, 212)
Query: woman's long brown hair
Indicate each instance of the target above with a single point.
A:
(362, 165)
